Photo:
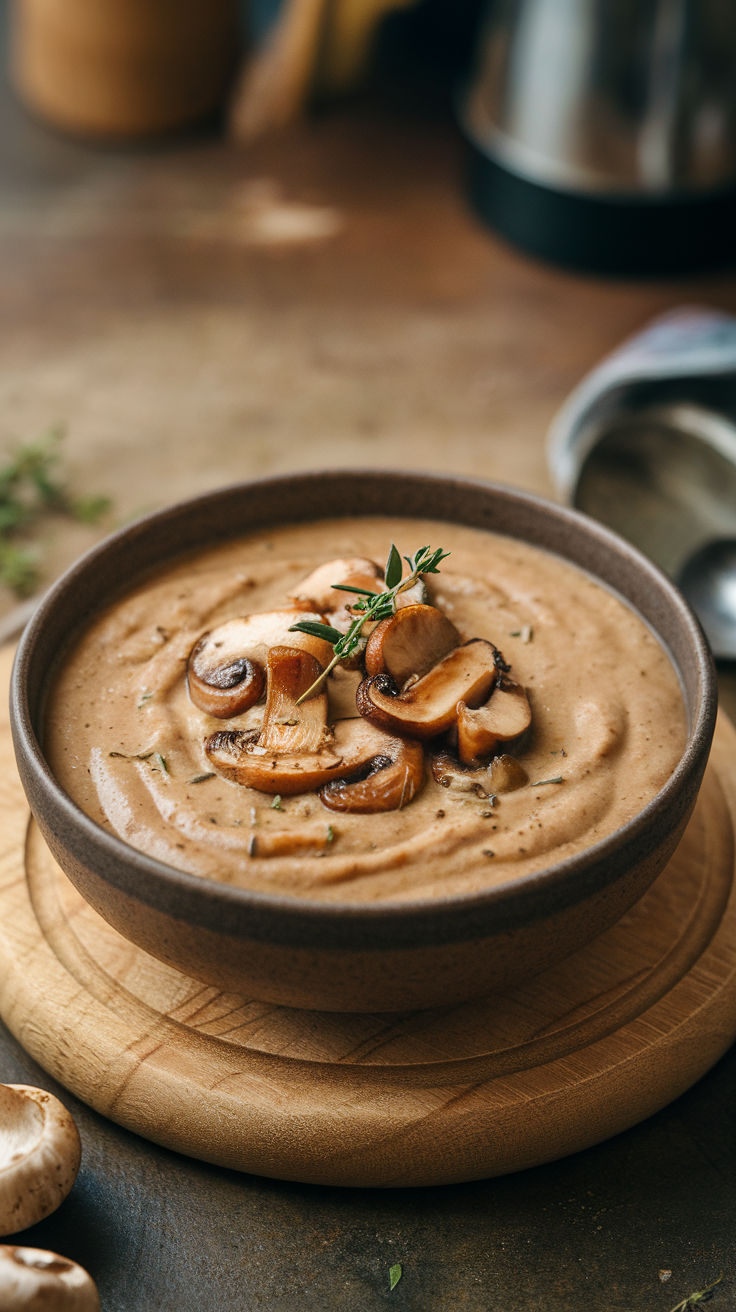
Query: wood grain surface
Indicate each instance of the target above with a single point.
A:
(572, 1057)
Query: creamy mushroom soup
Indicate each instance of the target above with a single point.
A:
(174, 720)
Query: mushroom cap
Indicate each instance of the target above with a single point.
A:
(410, 642)
(429, 706)
(390, 770)
(505, 716)
(40, 1154)
(317, 588)
(251, 637)
(34, 1280)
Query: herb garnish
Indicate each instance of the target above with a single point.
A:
(276, 804)
(29, 488)
(330, 834)
(373, 606)
(200, 778)
(701, 1296)
(394, 1275)
(557, 780)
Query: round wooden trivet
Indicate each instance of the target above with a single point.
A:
(575, 1055)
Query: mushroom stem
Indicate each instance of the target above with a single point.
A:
(288, 726)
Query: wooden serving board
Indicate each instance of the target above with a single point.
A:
(572, 1057)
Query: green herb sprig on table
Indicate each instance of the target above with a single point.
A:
(372, 606)
(29, 488)
(700, 1296)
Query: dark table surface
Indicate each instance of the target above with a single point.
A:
(140, 305)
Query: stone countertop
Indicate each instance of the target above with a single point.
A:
(196, 313)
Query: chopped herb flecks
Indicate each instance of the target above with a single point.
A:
(394, 1275)
(540, 782)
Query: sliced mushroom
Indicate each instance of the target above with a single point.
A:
(292, 753)
(317, 588)
(448, 772)
(288, 727)
(237, 756)
(225, 671)
(410, 643)
(429, 707)
(289, 842)
(507, 774)
(342, 689)
(39, 1156)
(32, 1279)
(505, 716)
(390, 771)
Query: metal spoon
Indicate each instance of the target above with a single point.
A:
(708, 580)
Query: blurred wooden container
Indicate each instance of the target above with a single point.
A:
(121, 68)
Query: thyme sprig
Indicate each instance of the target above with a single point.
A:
(30, 487)
(372, 606)
(701, 1296)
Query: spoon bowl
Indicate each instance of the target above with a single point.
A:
(708, 581)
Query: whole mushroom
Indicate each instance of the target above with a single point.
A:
(39, 1156)
(34, 1280)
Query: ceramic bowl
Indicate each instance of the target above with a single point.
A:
(377, 957)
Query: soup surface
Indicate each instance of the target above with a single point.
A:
(125, 740)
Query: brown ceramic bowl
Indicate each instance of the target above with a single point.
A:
(377, 957)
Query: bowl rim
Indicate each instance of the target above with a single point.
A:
(161, 880)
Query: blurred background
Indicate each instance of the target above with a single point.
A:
(236, 240)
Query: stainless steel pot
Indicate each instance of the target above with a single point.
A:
(605, 130)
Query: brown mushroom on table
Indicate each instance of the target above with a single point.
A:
(505, 716)
(226, 667)
(39, 1156)
(410, 643)
(34, 1280)
(429, 706)
(296, 752)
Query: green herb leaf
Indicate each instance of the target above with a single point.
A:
(200, 778)
(346, 587)
(162, 762)
(330, 834)
(394, 568)
(557, 780)
(276, 804)
(317, 630)
(394, 1275)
